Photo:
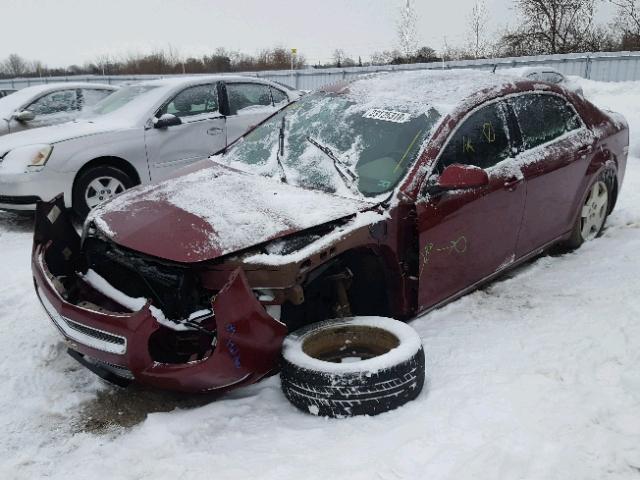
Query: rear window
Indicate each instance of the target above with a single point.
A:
(543, 118)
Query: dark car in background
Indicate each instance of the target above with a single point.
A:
(388, 196)
(6, 91)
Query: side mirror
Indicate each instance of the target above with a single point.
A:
(458, 176)
(24, 116)
(166, 120)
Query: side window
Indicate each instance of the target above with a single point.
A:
(543, 118)
(55, 102)
(193, 101)
(279, 97)
(482, 140)
(245, 97)
(91, 96)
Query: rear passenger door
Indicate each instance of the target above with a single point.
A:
(250, 104)
(466, 235)
(555, 151)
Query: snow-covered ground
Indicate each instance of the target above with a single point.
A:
(535, 376)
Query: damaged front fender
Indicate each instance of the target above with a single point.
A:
(248, 345)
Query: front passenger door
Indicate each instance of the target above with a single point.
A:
(467, 235)
(201, 133)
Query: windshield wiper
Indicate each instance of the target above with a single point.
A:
(280, 154)
(342, 168)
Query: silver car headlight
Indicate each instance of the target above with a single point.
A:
(27, 159)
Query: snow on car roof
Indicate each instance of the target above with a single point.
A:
(416, 90)
(182, 80)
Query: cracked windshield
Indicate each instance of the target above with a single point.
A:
(330, 142)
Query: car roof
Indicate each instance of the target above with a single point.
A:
(417, 91)
(182, 80)
(47, 87)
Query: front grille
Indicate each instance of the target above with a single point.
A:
(12, 200)
(89, 336)
(92, 332)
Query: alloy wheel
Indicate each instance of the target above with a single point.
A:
(594, 211)
(101, 189)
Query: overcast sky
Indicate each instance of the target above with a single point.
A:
(63, 32)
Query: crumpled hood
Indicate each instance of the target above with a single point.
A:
(54, 134)
(214, 211)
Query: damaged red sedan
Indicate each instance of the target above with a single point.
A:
(387, 196)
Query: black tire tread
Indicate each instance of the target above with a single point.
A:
(343, 395)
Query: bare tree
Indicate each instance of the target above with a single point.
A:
(338, 57)
(627, 22)
(15, 65)
(478, 18)
(407, 29)
(551, 26)
(628, 15)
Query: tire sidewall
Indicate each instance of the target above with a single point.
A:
(576, 239)
(328, 389)
(80, 206)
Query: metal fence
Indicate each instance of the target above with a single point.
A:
(608, 67)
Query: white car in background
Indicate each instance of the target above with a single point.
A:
(142, 133)
(545, 74)
(49, 104)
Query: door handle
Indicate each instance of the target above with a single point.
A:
(512, 183)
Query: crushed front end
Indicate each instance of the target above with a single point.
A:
(130, 317)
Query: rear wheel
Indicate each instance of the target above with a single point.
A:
(593, 214)
(97, 185)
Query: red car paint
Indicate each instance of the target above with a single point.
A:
(433, 247)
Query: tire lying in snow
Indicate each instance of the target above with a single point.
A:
(352, 366)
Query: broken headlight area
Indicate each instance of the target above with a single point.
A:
(182, 306)
(174, 289)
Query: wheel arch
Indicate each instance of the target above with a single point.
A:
(111, 161)
(372, 290)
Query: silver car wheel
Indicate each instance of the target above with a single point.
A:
(594, 211)
(101, 189)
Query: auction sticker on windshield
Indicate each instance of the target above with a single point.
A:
(387, 115)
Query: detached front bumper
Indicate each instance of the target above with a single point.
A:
(248, 339)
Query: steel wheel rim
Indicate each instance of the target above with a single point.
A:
(594, 211)
(101, 189)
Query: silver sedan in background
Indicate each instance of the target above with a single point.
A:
(142, 133)
(49, 104)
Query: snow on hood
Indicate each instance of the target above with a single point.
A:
(215, 211)
(53, 134)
